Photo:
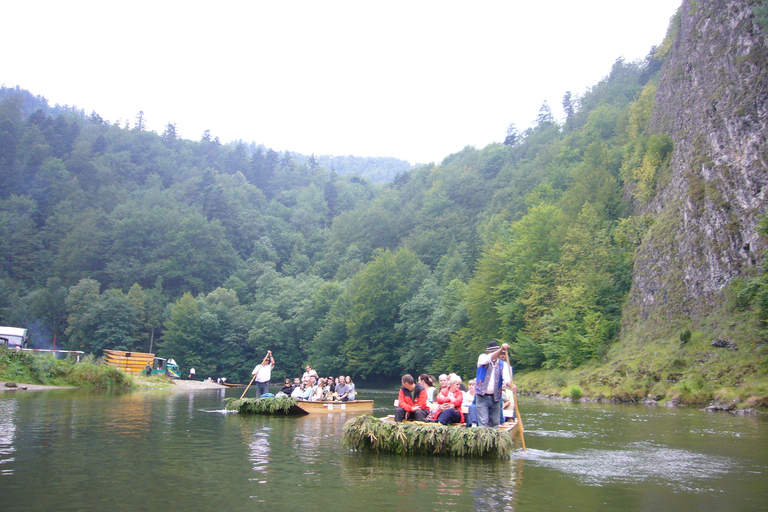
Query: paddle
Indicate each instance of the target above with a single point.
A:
(520, 422)
(266, 358)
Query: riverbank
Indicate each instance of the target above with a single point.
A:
(698, 372)
(20, 387)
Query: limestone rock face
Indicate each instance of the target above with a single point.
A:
(712, 100)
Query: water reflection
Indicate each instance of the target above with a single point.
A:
(259, 451)
(8, 411)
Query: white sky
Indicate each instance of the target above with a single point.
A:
(415, 80)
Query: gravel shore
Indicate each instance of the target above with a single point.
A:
(196, 384)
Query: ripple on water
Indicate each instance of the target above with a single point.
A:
(558, 433)
(637, 463)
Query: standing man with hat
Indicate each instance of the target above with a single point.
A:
(491, 381)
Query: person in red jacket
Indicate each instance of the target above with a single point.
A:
(449, 402)
(412, 401)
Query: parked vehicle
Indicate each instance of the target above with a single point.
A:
(12, 337)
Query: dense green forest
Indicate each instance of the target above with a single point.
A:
(118, 237)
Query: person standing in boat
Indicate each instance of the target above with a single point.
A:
(491, 381)
(309, 373)
(412, 401)
(263, 373)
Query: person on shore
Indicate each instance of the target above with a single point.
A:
(342, 390)
(263, 373)
(490, 384)
(191, 374)
(412, 401)
(449, 403)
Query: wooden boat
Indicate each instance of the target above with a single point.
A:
(335, 407)
(425, 438)
(287, 405)
(232, 385)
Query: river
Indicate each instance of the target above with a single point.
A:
(76, 450)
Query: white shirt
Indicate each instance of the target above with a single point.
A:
(264, 375)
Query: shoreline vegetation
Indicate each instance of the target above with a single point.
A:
(642, 383)
(36, 372)
(700, 373)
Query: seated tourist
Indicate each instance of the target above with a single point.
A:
(298, 391)
(469, 396)
(287, 388)
(342, 390)
(449, 402)
(412, 401)
(429, 385)
(318, 391)
(351, 386)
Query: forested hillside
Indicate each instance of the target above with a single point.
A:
(117, 237)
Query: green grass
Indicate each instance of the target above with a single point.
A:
(28, 368)
(677, 364)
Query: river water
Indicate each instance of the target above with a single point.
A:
(70, 450)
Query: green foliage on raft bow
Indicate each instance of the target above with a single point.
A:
(368, 433)
(271, 405)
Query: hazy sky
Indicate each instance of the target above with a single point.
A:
(415, 80)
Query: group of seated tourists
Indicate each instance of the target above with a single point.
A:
(313, 388)
(486, 401)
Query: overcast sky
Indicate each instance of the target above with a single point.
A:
(415, 80)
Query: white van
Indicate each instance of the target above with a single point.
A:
(12, 337)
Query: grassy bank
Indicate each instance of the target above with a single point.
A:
(29, 368)
(693, 368)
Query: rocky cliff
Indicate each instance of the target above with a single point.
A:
(712, 100)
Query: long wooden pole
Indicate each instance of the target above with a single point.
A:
(255, 374)
(519, 422)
